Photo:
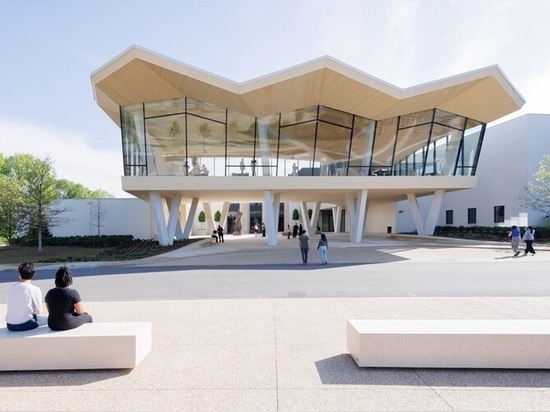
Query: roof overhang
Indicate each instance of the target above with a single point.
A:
(139, 75)
(331, 190)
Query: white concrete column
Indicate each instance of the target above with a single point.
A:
(173, 216)
(336, 218)
(315, 217)
(305, 218)
(190, 218)
(357, 210)
(225, 212)
(361, 210)
(210, 224)
(433, 213)
(271, 213)
(159, 218)
(426, 228)
(350, 208)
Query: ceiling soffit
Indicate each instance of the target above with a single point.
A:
(484, 94)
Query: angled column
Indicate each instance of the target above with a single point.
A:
(426, 228)
(190, 218)
(166, 231)
(357, 209)
(271, 214)
(336, 218)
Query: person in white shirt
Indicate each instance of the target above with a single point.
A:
(24, 302)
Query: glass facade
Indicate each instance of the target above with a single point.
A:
(187, 137)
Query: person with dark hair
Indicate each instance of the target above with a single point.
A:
(64, 304)
(303, 240)
(528, 238)
(322, 247)
(24, 302)
(515, 236)
(220, 234)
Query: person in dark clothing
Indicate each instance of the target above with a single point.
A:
(220, 234)
(294, 231)
(64, 304)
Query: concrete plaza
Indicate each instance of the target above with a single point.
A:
(244, 326)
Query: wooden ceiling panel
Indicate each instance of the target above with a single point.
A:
(140, 75)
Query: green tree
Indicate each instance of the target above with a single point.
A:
(309, 213)
(72, 190)
(37, 180)
(295, 215)
(217, 216)
(202, 216)
(11, 202)
(537, 191)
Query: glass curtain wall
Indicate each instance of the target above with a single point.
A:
(187, 137)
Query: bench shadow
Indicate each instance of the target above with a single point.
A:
(31, 379)
(342, 370)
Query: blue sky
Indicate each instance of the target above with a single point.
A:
(50, 48)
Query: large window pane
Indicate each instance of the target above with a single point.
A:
(134, 149)
(384, 143)
(166, 144)
(206, 146)
(416, 119)
(296, 146)
(335, 116)
(164, 107)
(360, 155)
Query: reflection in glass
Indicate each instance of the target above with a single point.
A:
(187, 137)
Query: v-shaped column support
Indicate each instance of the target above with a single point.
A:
(356, 206)
(166, 229)
(271, 215)
(426, 228)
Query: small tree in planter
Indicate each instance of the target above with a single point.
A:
(295, 215)
(202, 218)
(217, 216)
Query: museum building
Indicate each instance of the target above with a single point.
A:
(342, 146)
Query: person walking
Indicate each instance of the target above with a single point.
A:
(295, 231)
(515, 236)
(220, 234)
(303, 240)
(322, 247)
(288, 231)
(528, 238)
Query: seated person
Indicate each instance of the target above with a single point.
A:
(215, 235)
(24, 302)
(204, 171)
(64, 304)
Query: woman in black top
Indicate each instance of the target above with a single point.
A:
(65, 309)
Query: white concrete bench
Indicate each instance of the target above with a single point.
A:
(116, 345)
(450, 343)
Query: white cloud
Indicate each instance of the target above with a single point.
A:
(74, 157)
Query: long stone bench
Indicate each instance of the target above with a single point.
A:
(450, 343)
(116, 345)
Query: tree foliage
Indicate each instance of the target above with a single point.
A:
(537, 191)
(295, 215)
(11, 202)
(29, 191)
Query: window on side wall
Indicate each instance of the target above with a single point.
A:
(499, 214)
(448, 217)
(472, 216)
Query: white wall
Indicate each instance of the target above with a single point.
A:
(121, 217)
